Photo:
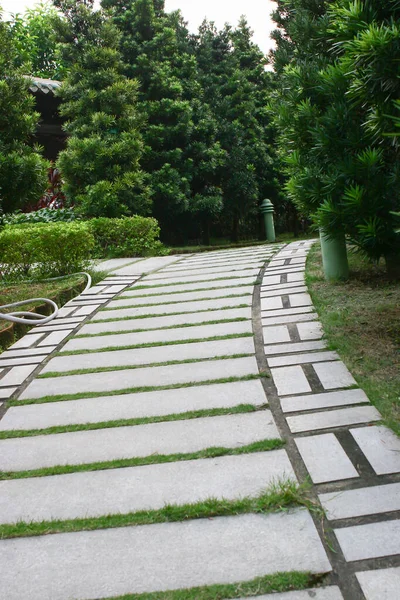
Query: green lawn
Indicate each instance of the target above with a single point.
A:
(361, 320)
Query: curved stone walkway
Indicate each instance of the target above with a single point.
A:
(163, 359)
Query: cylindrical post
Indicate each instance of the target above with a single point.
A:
(334, 257)
(267, 209)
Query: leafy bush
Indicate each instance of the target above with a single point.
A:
(44, 249)
(129, 236)
(44, 215)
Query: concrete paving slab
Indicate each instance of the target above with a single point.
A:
(363, 501)
(168, 321)
(326, 593)
(325, 458)
(133, 406)
(381, 448)
(310, 331)
(271, 303)
(189, 271)
(382, 584)
(148, 356)
(141, 377)
(27, 341)
(287, 311)
(181, 307)
(81, 447)
(270, 280)
(183, 288)
(55, 338)
(334, 375)
(282, 288)
(276, 334)
(288, 319)
(162, 280)
(114, 263)
(23, 360)
(6, 393)
(274, 349)
(300, 300)
(182, 297)
(295, 277)
(333, 418)
(324, 400)
(87, 310)
(17, 375)
(302, 359)
(373, 540)
(290, 380)
(158, 336)
(224, 263)
(121, 491)
(99, 564)
(147, 265)
(28, 352)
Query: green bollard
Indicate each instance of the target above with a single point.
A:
(267, 209)
(334, 257)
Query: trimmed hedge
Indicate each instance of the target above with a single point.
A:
(125, 237)
(46, 249)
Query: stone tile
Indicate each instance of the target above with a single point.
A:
(382, 584)
(370, 541)
(244, 291)
(271, 303)
(288, 319)
(133, 406)
(324, 400)
(362, 501)
(325, 593)
(270, 280)
(204, 270)
(93, 291)
(66, 311)
(241, 262)
(55, 338)
(325, 458)
(158, 336)
(162, 279)
(276, 334)
(293, 347)
(180, 308)
(301, 359)
(27, 341)
(148, 356)
(290, 380)
(333, 418)
(17, 375)
(283, 288)
(310, 331)
(87, 309)
(295, 277)
(167, 321)
(334, 375)
(6, 393)
(121, 491)
(381, 448)
(23, 360)
(141, 377)
(116, 289)
(182, 287)
(282, 312)
(168, 556)
(28, 352)
(300, 300)
(171, 437)
(147, 265)
(114, 263)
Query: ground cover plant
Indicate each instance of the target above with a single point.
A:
(361, 320)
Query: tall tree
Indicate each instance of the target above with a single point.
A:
(23, 172)
(101, 163)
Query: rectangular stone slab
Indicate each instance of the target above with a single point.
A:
(162, 279)
(382, 584)
(244, 291)
(121, 491)
(133, 406)
(334, 375)
(288, 319)
(147, 376)
(81, 447)
(272, 350)
(185, 287)
(190, 270)
(158, 336)
(16, 375)
(27, 341)
(181, 307)
(370, 541)
(150, 558)
(310, 331)
(325, 458)
(168, 321)
(381, 448)
(325, 400)
(148, 356)
(301, 359)
(363, 501)
(147, 265)
(333, 418)
(290, 380)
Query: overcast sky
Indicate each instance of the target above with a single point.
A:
(221, 11)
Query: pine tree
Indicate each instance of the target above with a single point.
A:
(101, 163)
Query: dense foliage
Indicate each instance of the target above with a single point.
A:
(129, 236)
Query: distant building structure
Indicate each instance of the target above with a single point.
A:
(49, 133)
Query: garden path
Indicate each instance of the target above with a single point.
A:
(200, 380)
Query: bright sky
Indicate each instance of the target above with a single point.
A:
(221, 11)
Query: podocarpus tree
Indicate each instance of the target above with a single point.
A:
(101, 163)
(23, 172)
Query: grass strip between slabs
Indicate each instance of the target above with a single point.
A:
(281, 494)
(174, 314)
(189, 415)
(132, 390)
(267, 584)
(153, 459)
(54, 374)
(180, 326)
(215, 338)
(207, 299)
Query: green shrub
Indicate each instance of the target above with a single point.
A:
(129, 236)
(44, 249)
(44, 215)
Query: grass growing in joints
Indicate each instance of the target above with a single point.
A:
(281, 494)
